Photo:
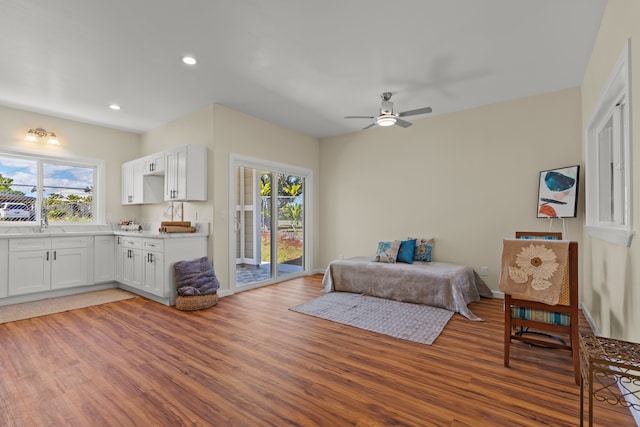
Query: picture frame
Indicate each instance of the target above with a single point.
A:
(558, 192)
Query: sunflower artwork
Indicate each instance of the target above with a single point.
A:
(558, 193)
(536, 262)
(534, 270)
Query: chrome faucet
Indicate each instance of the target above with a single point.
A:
(44, 220)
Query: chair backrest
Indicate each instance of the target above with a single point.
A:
(544, 235)
(549, 235)
(569, 294)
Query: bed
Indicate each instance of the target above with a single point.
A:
(437, 284)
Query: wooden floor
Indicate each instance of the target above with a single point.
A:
(250, 361)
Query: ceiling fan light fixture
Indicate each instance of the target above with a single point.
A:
(386, 120)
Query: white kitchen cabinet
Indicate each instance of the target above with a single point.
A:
(69, 262)
(42, 264)
(185, 173)
(104, 257)
(154, 164)
(118, 259)
(138, 188)
(150, 260)
(132, 266)
(153, 259)
(29, 265)
(4, 268)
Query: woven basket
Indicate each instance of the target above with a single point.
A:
(196, 302)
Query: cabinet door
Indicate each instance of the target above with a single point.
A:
(29, 271)
(175, 174)
(120, 253)
(186, 173)
(138, 182)
(132, 268)
(126, 190)
(104, 257)
(69, 268)
(4, 268)
(153, 273)
(154, 164)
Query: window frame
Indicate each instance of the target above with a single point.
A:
(98, 208)
(609, 175)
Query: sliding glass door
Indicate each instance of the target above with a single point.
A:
(269, 224)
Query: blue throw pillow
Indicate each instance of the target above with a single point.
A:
(405, 253)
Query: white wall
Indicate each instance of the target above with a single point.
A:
(611, 284)
(468, 179)
(76, 140)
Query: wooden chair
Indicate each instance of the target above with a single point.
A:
(519, 314)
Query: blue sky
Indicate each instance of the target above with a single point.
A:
(62, 179)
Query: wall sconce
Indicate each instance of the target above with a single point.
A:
(34, 135)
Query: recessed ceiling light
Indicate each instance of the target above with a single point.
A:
(189, 60)
(114, 106)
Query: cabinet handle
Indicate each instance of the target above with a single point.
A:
(54, 255)
(118, 240)
(47, 255)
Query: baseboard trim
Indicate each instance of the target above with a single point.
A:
(587, 315)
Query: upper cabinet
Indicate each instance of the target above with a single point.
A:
(154, 164)
(179, 174)
(138, 188)
(185, 173)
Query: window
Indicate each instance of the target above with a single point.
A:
(36, 188)
(608, 158)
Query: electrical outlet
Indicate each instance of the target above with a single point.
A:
(484, 271)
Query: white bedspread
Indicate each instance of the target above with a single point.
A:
(437, 284)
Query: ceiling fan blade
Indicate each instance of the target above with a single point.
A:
(403, 123)
(359, 117)
(370, 126)
(424, 110)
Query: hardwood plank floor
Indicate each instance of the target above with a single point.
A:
(250, 361)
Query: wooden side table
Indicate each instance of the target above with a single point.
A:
(611, 368)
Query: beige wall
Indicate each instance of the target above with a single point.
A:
(193, 129)
(224, 131)
(245, 135)
(76, 140)
(611, 282)
(468, 179)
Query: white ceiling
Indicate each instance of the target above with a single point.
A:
(301, 64)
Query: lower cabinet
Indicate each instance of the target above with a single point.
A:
(4, 268)
(131, 262)
(104, 259)
(30, 265)
(43, 264)
(153, 260)
(146, 263)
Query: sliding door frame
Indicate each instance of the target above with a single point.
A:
(236, 160)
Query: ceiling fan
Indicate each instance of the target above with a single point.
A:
(387, 117)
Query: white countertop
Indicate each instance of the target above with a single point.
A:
(13, 232)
